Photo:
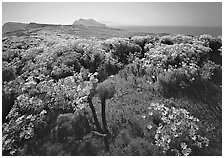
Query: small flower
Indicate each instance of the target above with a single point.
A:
(43, 112)
(186, 151)
(175, 135)
(165, 112)
(199, 144)
(150, 113)
(29, 116)
(173, 127)
(156, 136)
(183, 145)
(170, 116)
(20, 119)
(194, 137)
(33, 118)
(149, 126)
(12, 152)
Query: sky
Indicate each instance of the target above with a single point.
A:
(123, 13)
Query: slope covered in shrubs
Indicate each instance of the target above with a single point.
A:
(161, 95)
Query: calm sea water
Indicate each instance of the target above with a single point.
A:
(214, 31)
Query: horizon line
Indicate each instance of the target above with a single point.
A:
(119, 25)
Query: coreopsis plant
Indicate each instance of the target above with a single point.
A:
(20, 129)
(177, 54)
(205, 38)
(176, 39)
(178, 132)
(30, 114)
(143, 40)
(121, 48)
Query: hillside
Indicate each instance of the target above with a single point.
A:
(12, 26)
(87, 90)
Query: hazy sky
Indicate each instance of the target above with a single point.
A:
(132, 13)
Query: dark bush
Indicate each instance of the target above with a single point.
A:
(29, 55)
(178, 84)
(67, 125)
(61, 71)
(166, 40)
(121, 49)
(70, 59)
(108, 68)
(9, 55)
(141, 147)
(7, 104)
(8, 73)
(215, 43)
(142, 41)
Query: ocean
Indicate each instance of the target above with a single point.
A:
(187, 30)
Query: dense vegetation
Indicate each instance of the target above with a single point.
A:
(143, 95)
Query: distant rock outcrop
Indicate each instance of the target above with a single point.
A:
(13, 26)
(88, 22)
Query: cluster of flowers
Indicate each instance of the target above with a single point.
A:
(121, 48)
(20, 128)
(68, 93)
(145, 42)
(176, 39)
(176, 55)
(179, 132)
(185, 58)
(49, 77)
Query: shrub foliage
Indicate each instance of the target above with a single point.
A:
(55, 93)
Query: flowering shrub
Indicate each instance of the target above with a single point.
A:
(179, 132)
(176, 39)
(176, 55)
(27, 104)
(144, 42)
(121, 48)
(31, 53)
(205, 38)
(182, 69)
(49, 83)
(30, 115)
(147, 47)
(61, 71)
(19, 129)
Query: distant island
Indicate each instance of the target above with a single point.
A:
(88, 22)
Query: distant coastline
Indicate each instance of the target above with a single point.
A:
(187, 30)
